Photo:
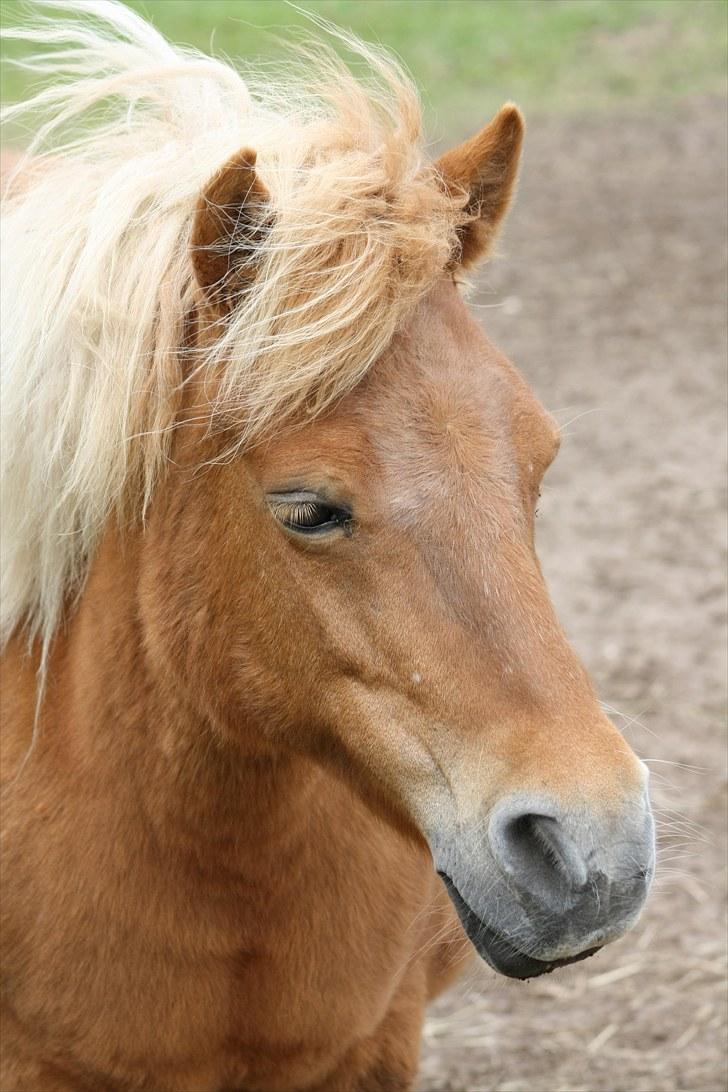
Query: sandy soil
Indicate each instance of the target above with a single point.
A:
(610, 298)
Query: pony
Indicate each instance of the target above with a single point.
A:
(290, 729)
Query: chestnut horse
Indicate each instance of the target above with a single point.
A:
(290, 726)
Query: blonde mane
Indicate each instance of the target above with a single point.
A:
(97, 279)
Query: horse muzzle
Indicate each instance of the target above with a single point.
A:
(549, 886)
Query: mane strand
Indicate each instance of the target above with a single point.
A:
(97, 281)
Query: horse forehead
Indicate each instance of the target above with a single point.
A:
(450, 416)
(442, 417)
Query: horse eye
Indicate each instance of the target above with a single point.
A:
(308, 514)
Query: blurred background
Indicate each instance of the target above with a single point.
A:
(609, 294)
(570, 56)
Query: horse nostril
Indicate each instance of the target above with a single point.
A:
(575, 876)
(538, 854)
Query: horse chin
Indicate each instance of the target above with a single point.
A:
(497, 950)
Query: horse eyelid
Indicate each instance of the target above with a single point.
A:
(294, 509)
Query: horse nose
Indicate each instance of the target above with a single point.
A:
(565, 863)
(538, 853)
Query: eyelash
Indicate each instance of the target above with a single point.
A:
(308, 515)
(303, 513)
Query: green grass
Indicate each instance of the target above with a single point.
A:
(565, 56)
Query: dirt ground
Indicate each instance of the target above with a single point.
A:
(611, 299)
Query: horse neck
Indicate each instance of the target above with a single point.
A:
(139, 731)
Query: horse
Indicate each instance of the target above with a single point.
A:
(291, 731)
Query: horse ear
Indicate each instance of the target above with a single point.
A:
(231, 220)
(485, 168)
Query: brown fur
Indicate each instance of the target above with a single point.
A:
(215, 876)
(485, 168)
